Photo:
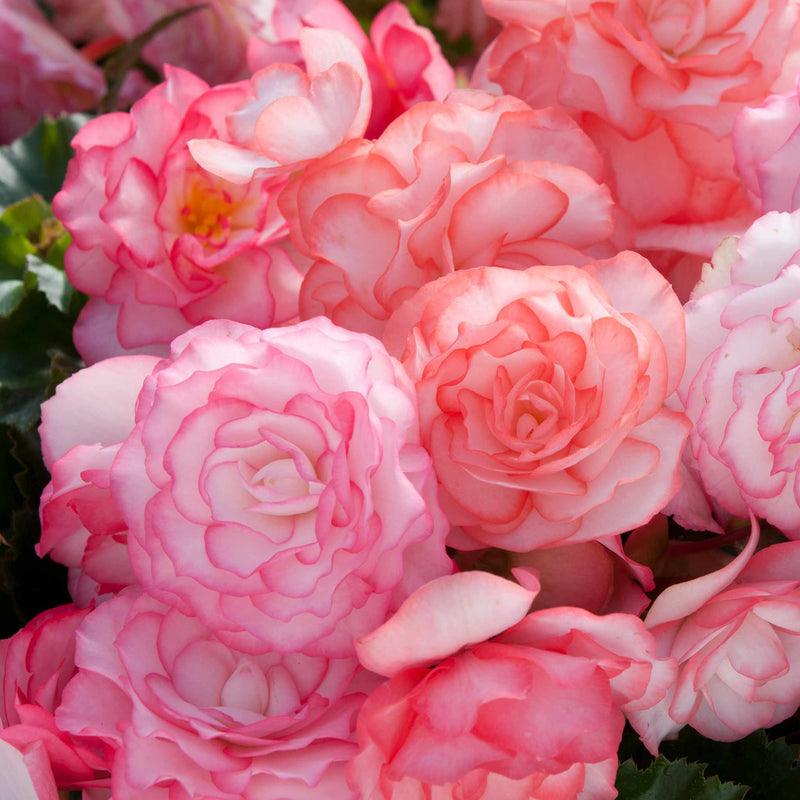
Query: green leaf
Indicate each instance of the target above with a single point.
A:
(770, 768)
(11, 294)
(37, 163)
(51, 282)
(672, 780)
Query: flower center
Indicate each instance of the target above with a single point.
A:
(207, 213)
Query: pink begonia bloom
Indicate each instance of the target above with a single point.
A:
(190, 717)
(35, 666)
(40, 71)
(82, 428)
(403, 60)
(740, 387)
(541, 398)
(766, 141)
(440, 191)
(275, 486)
(159, 244)
(292, 116)
(211, 42)
(535, 714)
(736, 635)
(657, 86)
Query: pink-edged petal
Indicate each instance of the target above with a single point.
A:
(682, 599)
(440, 618)
(234, 164)
(322, 49)
(28, 776)
(94, 406)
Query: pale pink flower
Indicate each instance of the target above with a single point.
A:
(736, 636)
(82, 428)
(657, 86)
(541, 398)
(441, 190)
(275, 486)
(290, 115)
(536, 713)
(403, 60)
(766, 141)
(740, 387)
(40, 71)
(159, 244)
(35, 666)
(190, 717)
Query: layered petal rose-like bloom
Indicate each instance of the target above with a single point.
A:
(190, 717)
(35, 666)
(275, 486)
(82, 428)
(740, 388)
(40, 71)
(766, 141)
(657, 85)
(535, 714)
(159, 244)
(736, 636)
(439, 191)
(541, 398)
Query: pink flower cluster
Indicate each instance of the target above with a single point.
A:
(357, 340)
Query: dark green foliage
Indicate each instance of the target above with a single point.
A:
(673, 780)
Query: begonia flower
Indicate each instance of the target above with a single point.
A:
(190, 717)
(441, 190)
(275, 486)
(40, 71)
(541, 398)
(534, 714)
(35, 666)
(736, 636)
(404, 62)
(26, 776)
(160, 244)
(82, 428)
(657, 86)
(766, 141)
(740, 387)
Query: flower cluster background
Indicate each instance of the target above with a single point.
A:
(400, 402)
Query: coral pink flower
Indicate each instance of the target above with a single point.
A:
(159, 244)
(766, 141)
(535, 713)
(740, 388)
(40, 71)
(736, 635)
(191, 717)
(657, 85)
(440, 191)
(275, 486)
(82, 428)
(35, 666)
(541, 398)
